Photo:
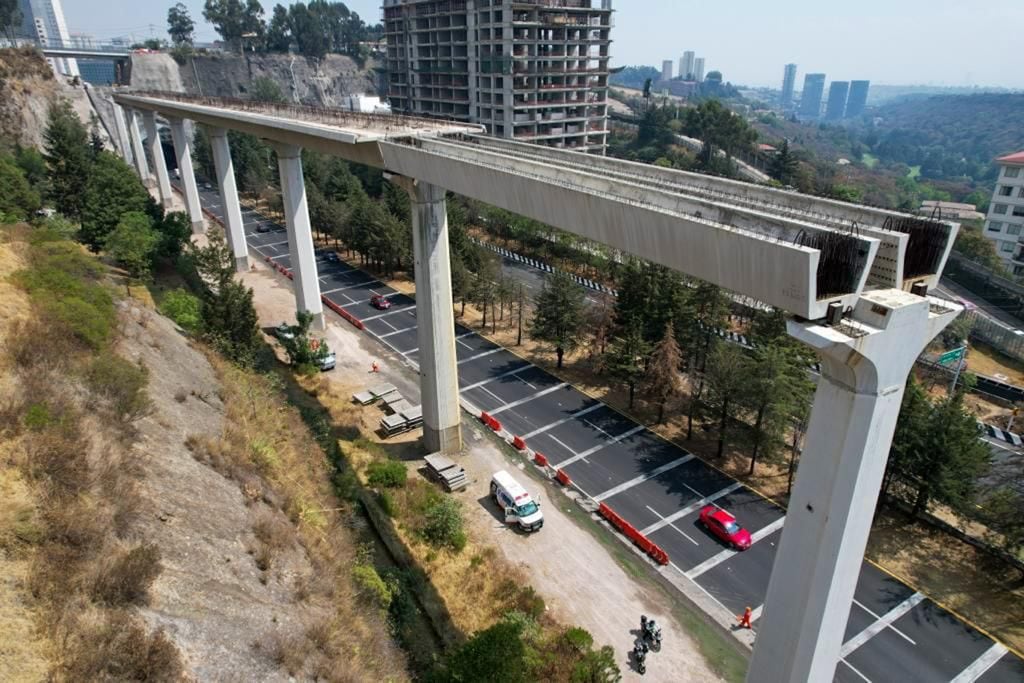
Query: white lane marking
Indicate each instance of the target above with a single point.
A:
(690, 509)
(879, 616)
(590, 451)
(670, 524)
(852, 668)
(598, 428)
(561, 443)
(556, 423)
(526, 383)
(644, 477)
(481, 355)
(721, 557)
(404, 329)
(982, 664)
(755, 613)
(871, 631)
(341, 289)
(499, 399)
(384, 315)
(495, 379)
(529, 398)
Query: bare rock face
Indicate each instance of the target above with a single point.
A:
(321, 82)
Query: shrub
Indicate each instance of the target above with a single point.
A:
(121, 384)
(120, 649)
(444, 524)
(38, 416)
(387, 473)
(498, 648)
(387, 503)
(372, 585)
(126, 579)
(184, 309)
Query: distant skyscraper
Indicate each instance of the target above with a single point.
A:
(836, 107)
(698, 69)
(810, 98)
(43, 20)
(788, 83)
(858, 100)
(666, 70)
(686, 65)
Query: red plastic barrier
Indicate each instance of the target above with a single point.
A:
(519, 443)
(563, 478)
(485, 417)
(493, 424)
(289, 274)
(540, 459)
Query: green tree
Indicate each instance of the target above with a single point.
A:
(783, 166)
(33, 165)
(626, 358)
(183, 308)
(234, 20)
(975, 246)
(499, 648)
(266, 90)
(69, 159)
(132, 244)
(662, 380)
(728, 372)
(779, 390)
(559, 314)
(180, 25)
(303, 351)
(279, 35)
(18, 200)
(112, 190)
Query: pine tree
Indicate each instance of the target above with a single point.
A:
(559, 315)
(728, 372)
(784, 166)
(662, 380)
(112, 190)
(69, 158)
(779, 390)
(625, 361)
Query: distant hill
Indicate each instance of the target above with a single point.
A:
(883, 94)
(950, 135)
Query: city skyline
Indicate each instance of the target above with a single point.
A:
(764, 37)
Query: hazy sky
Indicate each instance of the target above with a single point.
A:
(947, 42)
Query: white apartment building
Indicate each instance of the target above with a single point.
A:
(1004, 223)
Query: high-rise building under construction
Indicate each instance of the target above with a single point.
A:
(529, 70)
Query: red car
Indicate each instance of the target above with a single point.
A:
(722, 524)
(380, 302)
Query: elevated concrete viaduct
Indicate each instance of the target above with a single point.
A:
(855, 279)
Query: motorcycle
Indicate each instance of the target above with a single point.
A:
(640, 657)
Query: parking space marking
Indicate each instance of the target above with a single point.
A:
(527, 384)
(690, 509)
(644, 477)
(599, 429)
(982, 664)
(556, 423)
(488, 391)
(481, 355)
(529, 398)
(590, 451)
(900, 633)
(874, 629)
(405, 309)
(561, 443)
(673, 526)
(404, 329)
(495, 379)
(854, 670)
(721, 557)
(341, 289)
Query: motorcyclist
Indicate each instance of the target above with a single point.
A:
(651, 631)
(640, 656)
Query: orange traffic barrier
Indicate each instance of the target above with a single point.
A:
(563, 478)
(519, 443)
(485, 417)
(540, 459)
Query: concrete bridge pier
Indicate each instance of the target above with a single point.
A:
(435, 317)
(183, 152)
(300, 232)
(235, 228)
(138, 153)
(156, 153)
(864, 369)
(124, 144)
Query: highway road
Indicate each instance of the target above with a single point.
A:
(894, 633)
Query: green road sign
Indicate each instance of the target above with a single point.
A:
(950, 356)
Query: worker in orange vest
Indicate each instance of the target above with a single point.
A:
(745, 618)
(374, 367)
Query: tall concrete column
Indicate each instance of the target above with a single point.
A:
(234, 228)
(300, 234)
(435, 317)
(156, 153)
(124, 144)
(139, 154)
(183, 152)
(864, 368)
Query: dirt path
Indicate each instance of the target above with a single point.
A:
(574, 573)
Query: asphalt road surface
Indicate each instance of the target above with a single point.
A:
(894, 633)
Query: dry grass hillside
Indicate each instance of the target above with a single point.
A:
(163, 515)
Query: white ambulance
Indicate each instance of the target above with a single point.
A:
(517, 505)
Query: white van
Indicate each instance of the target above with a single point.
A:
(515, 502)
